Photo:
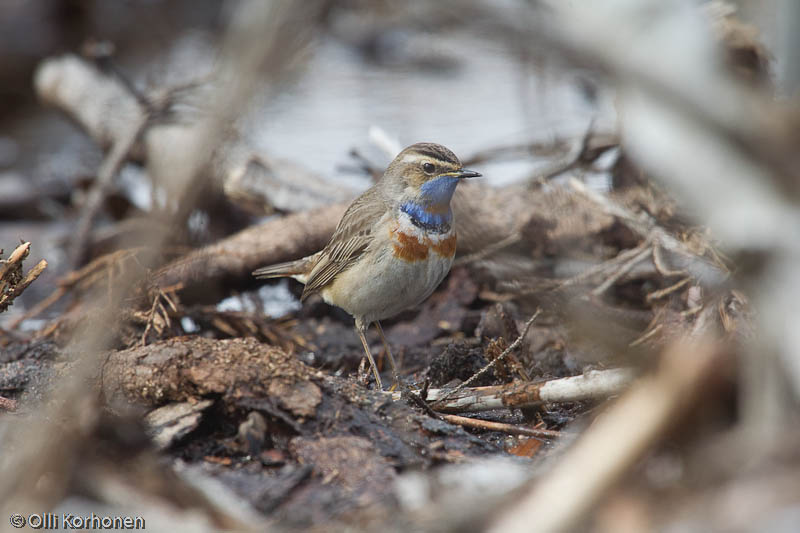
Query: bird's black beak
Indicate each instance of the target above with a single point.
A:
(464, 173)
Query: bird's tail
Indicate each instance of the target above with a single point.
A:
(297, 269)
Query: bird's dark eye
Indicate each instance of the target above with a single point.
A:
(428, 167)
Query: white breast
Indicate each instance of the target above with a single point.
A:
(397, 272)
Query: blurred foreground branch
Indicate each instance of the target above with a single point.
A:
(47, 448)
(600, 456)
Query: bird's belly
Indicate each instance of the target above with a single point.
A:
(391, 278)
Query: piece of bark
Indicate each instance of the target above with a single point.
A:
(172, 422)
(8, 404)
(350, 462)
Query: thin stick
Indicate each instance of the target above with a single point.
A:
(646, 335)
(591, 385)
(576, 153)
(657, 295)
(513, 238)
(606, 266)
(109, 168)
(658, 261)
(150, 316)
(511, 429)
(17, 256)
(643, 224)
(624, 269)
(30, 277)
(492, 363)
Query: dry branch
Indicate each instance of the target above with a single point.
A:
(12, 282)
(596, 384)
(276, 240)
(680, 256)
(117, 119)
(111, 165)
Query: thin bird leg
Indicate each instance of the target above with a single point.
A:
(362, 329)
(395, 375)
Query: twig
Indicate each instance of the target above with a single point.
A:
(150, 318)
(663, 269)
(39, 307)
(513, 238)
(364, 165)
(590, 385)
(516, 151)
(604, 267)
(17, 256)
(624, 269)
(511, 429)
(657, 295)
(699, 267)
(12, 285)
(113, 161)
(646, 335)
(85, 276)
(30, 277)
(576, 154)
(482, 371)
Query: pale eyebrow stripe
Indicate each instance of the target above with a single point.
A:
(412, 157)
(415, 156)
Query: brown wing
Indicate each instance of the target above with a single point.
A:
(349, 241)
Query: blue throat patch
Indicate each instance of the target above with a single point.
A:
(439, 223)
(438, 190)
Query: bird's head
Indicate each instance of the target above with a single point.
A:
(426, 174)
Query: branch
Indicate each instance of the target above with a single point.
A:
(12, 283)
(591, 385)
(704, 271)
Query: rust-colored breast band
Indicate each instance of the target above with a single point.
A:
(408, 248)
(447, 247)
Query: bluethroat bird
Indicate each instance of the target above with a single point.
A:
(392, 247)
